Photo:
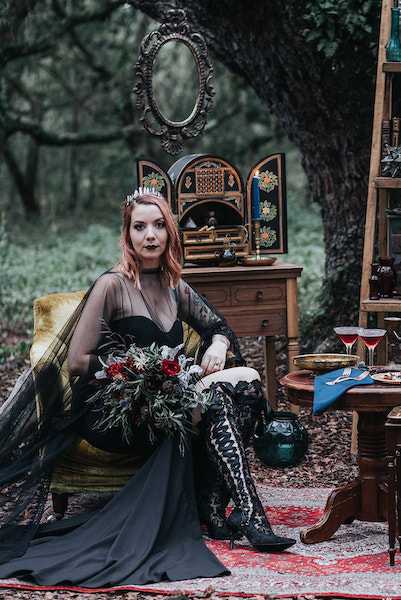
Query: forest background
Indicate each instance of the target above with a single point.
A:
(70, 134)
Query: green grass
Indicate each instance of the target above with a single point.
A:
(59, 262)
(71, 262)
(39, 258)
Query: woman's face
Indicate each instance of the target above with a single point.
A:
(148, 234)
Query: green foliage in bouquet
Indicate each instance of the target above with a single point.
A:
(153, 385)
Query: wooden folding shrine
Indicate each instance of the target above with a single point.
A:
(214, 207)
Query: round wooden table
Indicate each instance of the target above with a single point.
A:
(365, 498)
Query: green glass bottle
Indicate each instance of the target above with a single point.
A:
(393, 48)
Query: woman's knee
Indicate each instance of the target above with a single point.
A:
(237, 374)
(233, 376)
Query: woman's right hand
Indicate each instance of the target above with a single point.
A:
(214, 358)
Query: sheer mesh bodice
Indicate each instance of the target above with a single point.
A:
(114, 299)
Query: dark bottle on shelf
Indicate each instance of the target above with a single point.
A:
(386, 276)
(374, 283)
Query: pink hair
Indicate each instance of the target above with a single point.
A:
(170, 263)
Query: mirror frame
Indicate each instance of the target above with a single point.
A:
(174, 27)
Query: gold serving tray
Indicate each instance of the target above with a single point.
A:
(324, 363)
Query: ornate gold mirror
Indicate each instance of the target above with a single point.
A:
(160, 68)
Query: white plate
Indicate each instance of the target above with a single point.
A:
(392, 377)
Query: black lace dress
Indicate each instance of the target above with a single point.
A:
(150, 530)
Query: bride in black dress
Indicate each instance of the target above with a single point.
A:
(150, 530)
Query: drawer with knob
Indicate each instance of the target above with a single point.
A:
(254, 323)
(257, 293)
(255, 301)
(218, 295)
(246, 295)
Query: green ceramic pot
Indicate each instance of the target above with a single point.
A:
(280, 440)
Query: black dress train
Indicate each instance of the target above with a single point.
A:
(150, 530)
(147, 533)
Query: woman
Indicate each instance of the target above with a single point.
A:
(150, 530)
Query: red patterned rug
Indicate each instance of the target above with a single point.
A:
(354, 563)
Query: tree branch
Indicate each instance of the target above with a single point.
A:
(51, 138)
(60, 27)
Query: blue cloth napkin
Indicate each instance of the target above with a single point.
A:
(324, 395)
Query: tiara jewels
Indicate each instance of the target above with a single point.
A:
(145, 191)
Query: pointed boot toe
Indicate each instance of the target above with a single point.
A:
(275, 544)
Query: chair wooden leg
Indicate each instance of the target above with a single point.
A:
(60, 503)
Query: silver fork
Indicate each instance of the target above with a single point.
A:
(342, 378)
(345, 373)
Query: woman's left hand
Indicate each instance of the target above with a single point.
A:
(214, 358)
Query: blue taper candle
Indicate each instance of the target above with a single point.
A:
(256, 196)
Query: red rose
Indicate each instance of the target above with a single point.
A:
(170, 367)
(116, 369)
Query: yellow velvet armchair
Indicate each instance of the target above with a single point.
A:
(85, 468)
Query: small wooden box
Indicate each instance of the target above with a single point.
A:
(205, 245)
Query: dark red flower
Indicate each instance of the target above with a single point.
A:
(116, 369)
(170, 367)
(121, 368)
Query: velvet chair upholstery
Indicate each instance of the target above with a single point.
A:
(85, 468)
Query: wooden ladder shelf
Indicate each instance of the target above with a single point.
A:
(376, 227)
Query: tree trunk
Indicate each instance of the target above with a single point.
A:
(73, 163)
(325, 108)
(25, 182)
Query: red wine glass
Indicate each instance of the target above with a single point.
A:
(348, 336)
(371, 337)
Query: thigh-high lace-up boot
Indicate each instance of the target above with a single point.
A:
(249, 403)
(213, 498)
(226, 450)
(213, 495)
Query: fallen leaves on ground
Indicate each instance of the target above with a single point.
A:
(328, 463)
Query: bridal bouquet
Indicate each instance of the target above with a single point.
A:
(153, 385)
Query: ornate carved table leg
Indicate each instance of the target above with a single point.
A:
(366, 497)
(372, 462)
(342, 504)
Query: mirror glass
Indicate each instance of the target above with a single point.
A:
(175, 81)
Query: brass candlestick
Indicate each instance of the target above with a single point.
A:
(257, 238)
(392, 324)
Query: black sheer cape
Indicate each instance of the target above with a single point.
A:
(32, 441)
